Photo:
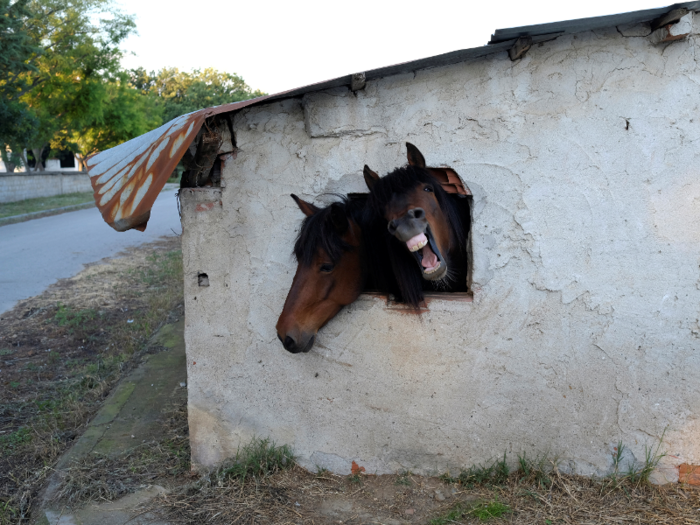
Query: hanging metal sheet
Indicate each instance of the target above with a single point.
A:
(128, 178)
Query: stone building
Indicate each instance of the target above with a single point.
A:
(579, 143)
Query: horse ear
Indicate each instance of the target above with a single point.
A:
(339, 218)
(306, 207)
(371, 177)
(415, 157)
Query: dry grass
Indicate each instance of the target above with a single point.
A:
(98, 477)
(61, 353)
(537, 494)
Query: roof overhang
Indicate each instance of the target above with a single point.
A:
(127, 179)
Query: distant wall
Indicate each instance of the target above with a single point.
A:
(18, 187)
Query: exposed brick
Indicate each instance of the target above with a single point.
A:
(689, 474)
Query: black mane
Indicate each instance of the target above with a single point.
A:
(403, 278)
(318, 231)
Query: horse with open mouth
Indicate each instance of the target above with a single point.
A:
(422, 228)
(331, 271)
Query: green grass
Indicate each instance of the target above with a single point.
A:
(8, 209)
(483, 511)
(15, 439)
(67, 316)
(257, 459)
(495, 473)
(404, 478)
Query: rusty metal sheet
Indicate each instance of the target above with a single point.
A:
(450, 181)
(127, 179)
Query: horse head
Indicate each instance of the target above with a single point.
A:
(417, 213)
(330, 271)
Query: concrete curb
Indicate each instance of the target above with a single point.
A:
(130, 416)
(57, 211)
(44, 213)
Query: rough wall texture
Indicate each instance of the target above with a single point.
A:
(19, 187)
(583, 158)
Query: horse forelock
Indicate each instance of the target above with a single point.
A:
(317, 231)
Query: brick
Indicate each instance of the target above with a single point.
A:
(689, 474)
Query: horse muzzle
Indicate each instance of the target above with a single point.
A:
(302, 343)
(413, 230)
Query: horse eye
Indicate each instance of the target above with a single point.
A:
(327, 268)
(428, 188)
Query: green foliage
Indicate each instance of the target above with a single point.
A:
(487, 510)
(404, 478)
(495, 473)
(15, 439)
(535, 471)
(64, 77)
(179, 92)
(636, 472)
(258, 459)
(483, 511)
(67, 316)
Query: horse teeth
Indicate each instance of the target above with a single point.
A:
(419, 246)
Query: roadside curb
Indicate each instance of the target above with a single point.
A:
(44, 213)
(14, 219)
(131, 415)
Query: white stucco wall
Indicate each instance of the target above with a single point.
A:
(584, 161)
(21, 186)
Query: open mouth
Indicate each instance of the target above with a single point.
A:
(426, 253)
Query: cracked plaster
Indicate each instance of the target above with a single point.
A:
(584, 329)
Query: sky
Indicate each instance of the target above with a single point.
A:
(280, 45)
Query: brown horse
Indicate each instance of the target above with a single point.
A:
(426, 237)
(331, 270)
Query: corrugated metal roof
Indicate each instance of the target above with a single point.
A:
(128, 178)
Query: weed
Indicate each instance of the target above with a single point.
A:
(355, 479)
(320, 471)
(535, 470)
(15, 439)
(652, 457)
(635, 473)
(258, 459)
(67, 316)
(494, 474)
(483, 511)
(457, 511)
(14, 384)
(404, 478)
(6, 351)
(491, 509)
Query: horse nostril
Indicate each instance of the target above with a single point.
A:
(280, 338)
(289, 343)
(392, 227)
(418, 213)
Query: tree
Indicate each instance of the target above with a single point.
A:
(125, 113)
(16, 49)
(179, 92)
(62, 84)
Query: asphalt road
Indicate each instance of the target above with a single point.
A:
(36, 253)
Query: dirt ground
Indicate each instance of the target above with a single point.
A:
(62, 352)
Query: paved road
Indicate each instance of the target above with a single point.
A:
(36, 253)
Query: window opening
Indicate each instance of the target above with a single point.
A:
(462, 197)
